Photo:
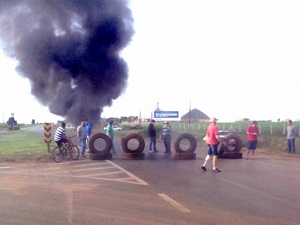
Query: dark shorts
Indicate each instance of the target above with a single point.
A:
(213, 149)
(59, 143)
(252, 145)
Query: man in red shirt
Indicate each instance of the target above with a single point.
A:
(212, 140)
(252, 132)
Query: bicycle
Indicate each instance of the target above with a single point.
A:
(59, 153)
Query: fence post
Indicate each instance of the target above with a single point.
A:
(283, 129)
(271, 128)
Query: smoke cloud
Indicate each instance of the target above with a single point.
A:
(70, 51)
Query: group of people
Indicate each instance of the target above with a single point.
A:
(165, 136)
(212, 139)
(84, 133)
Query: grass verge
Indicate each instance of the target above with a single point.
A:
(20, 145)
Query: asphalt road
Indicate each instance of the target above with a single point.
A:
(157, 190)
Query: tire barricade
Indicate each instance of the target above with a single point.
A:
(232, 147)
(96, 152)
(133, 153)
(182, 152)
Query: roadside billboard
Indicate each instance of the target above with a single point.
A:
(166, 115)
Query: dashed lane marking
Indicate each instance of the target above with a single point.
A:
(174, 203)
(5, 167)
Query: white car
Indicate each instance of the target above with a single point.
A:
(70, 126)
(115, 127)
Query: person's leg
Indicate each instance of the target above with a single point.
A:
(289, 145)
(215, 158)
(83, 146)
(151, 143)
(168, 143)
(113, 146)
(165, 143)
(214, 161)
(87, 143)
(154, 144)
(209, 152)
(293, 145)
(249, 148)
(253, 147)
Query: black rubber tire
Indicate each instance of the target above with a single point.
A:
(100, 156)
(103, 136)
(135, 156)
(192, 140)
(236, 147)
(57, 155)
(184, 156)
(75, 152)
(139, 138)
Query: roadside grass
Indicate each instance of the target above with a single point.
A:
(20, 145)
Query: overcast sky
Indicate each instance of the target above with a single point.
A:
(230, 59)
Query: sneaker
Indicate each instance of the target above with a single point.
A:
(150, 151)
(203, 168)
(216, 170)
(155, 150)
(83, 156)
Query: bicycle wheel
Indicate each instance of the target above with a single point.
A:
(57, 155)
(75, 152)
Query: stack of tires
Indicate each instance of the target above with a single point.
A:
(97, 151)
(232, 147)
(133, 152)
(185, 152)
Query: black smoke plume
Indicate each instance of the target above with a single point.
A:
(70, 51)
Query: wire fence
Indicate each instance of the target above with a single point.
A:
(269, 128)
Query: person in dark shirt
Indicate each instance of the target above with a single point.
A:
(152, 136)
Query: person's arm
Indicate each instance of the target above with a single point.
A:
(78, 133)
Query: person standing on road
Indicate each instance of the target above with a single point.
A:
(60, 135)
(89, 130)
(166, 136)
(82, 136)
(212, 140)
(291, 136)
(252, 132)
(111, 134)
(152, 136)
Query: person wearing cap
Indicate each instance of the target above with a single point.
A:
(252, 132)
(152, 136)
(166, 136)
(82, 136)
(212, 140)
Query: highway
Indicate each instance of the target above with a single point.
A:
(156, 190)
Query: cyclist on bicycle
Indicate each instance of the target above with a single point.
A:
(60, 135)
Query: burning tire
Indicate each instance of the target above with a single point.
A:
(100, 143)
(192, 143)
(233, 143)
(136, 149)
